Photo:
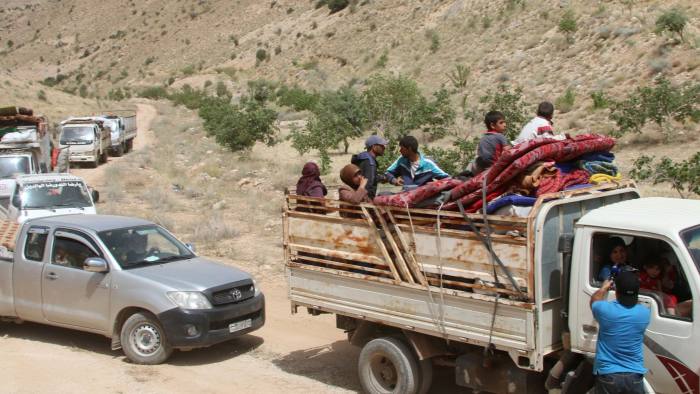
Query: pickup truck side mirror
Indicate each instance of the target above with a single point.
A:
(191, 247)
(94, 194)
(95, 264)
(16, 200)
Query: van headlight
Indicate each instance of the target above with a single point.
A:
(189, 299)
(257, 289)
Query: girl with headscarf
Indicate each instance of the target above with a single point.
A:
(310, 185)
(355, 188)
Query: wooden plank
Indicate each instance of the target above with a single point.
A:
(363, 258)
(412, 262)
(397, 252)
(499, 238)
(382, 247)
(301, 259)
(342, 273)
(471, 286)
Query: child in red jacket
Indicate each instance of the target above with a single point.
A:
(656, 273)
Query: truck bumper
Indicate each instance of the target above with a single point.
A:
(82, 158)
(212, 325)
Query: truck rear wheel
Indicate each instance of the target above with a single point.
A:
(143, 340)
(119, 151)
(387, 365)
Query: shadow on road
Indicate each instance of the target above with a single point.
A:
(94, 343)
(217, 353)
(334, 364)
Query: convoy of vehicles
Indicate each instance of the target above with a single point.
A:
(501, 299)
(88, 140)
(127, 279)
(122, 131)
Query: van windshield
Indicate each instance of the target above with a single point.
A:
(142, 246)
(51, 195)
(13, 165)
(80, 135)
(691, 237)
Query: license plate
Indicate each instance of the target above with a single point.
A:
(240, 325)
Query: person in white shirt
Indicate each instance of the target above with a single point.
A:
(540, 126)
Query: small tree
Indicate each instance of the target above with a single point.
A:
(454, 160)
(238, 127)
(338, 117)
(673, 20)
(659, 103)
(297, 98)
(683, 176)
(261, 90)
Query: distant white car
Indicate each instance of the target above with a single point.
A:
(41, 195)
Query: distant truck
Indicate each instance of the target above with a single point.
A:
(41, 195)
(127, 279)
(504, 300)
(88, 140)
(25, 145)
(122, 131)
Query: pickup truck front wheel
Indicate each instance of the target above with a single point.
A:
(143, 340)
(387, 365)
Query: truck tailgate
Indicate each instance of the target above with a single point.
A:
(463, 318)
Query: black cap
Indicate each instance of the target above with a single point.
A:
(627, 287)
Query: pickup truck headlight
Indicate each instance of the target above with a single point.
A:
(189, 299)
(257, 289)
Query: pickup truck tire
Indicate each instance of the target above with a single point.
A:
(119, 151)
(387, 365)
(143, 340)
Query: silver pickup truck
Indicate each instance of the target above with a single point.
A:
(128, 279)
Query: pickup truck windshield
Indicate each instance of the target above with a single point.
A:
(77, 134)
(691, 237)
(13, 165)
(52, 195)
(143, 246)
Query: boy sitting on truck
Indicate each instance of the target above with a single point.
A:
(413, 169)
(491, 144)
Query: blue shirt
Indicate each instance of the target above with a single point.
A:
(427, 171)
(620, 337)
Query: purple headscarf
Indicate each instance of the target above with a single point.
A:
(310, 182)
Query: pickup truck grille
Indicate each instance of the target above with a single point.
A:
(233, 294)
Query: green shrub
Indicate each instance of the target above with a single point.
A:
(260, 56)
(296, 98)
(238, 127)
(83, 91)
(337, 5)
(434, 38)
(600, 100)
(459, 76)
(565, 102)
(222, 90)
(567, 24)
(188, 96)
(153, 92)
(53, 81)
(383, 59)
(683, 176)
(261, 90)
(41, 95)
(673, 20)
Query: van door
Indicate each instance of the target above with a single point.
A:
(672, 366)
(72, 295)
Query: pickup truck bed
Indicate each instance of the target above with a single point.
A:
(429, 272)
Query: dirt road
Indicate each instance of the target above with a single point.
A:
(291, 353)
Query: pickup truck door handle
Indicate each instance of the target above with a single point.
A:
(589, 329)
(51, 276)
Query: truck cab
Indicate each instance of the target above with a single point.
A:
(41, 195)
(87, 138)
(658, 233)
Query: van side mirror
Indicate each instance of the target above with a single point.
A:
(95, 264)
(16, 200)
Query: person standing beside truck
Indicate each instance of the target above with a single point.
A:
(619, 358)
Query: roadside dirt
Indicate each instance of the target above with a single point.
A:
(292, 353)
